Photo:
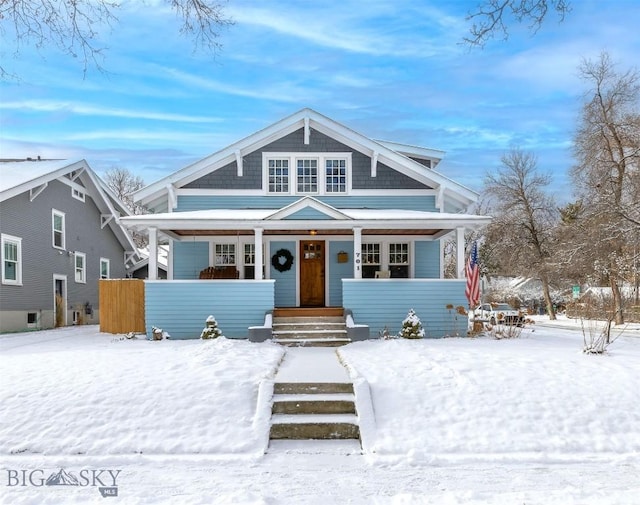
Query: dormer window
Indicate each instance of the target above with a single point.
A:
(278, 176)
(314, 173)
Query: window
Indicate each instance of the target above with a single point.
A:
(80, 260)
(249, 261)
(104, 268)
(278, 176)
(58, 229)
(32, 319)
(399, 260)
(307, 176)
(370, 260)
(225, 255)
(11, 259)
(77, 194)
(336, 176)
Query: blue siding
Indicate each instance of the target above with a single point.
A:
(308, 213)
(189, 258)
(181, 307)
(423, 203)
(427, 264)
(339, 271)
(385, 302)
(285, 290)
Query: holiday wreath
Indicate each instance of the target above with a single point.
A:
(282, 260)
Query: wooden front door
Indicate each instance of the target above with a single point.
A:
(312, 273)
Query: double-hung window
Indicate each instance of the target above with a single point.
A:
(225, 255)
(278, 176)
(307, 175)
(399, 260)
(370, 260)
(336, 175)
(11, 259)
(80, 261)
(104, 268)
(58, 219)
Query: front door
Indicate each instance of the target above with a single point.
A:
(312, 273)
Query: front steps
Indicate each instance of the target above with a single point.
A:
(314, 411)
(312, 331)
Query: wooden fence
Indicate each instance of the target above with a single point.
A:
(122, 305)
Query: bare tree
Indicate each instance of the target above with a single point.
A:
(521, 233)
(492, 17)
(74, 26)
(124, 183)
(607, 170)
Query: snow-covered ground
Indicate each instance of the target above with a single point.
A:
(529, 421)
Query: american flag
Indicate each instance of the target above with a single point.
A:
(472, 272)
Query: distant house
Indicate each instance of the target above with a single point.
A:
(60, 234)
(306, 213)
(140, 270)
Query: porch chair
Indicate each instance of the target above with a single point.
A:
(383, 274)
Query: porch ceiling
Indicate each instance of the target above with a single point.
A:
(365, 231)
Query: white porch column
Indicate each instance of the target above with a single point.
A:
(357, 253)
(258, 254)
(460, 252)
(153, 254)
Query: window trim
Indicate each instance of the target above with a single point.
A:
(107, 262)
(4, 238)
(54, 213)
(83, 270)
(77, 193)
(292, 158)
(226, 263)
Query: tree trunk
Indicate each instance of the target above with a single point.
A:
(617, 301)
(547, 298)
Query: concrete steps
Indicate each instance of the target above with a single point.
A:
(314, 411)
(312, 331)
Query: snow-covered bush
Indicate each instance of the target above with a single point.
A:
(211, 329)
(158, 333)
(597, 335)
(412, 326)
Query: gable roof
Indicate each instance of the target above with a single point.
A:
(17, 177)
(307, 119)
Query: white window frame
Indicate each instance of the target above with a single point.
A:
(406, 263)
(77, 193)
(107, 262)
(346, 175)
(307, 179)
(293, 158)
(222, 258)
(17, 241)
(63, 233)
(80, 274)
(267, 171)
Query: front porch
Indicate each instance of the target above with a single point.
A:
(180, 307)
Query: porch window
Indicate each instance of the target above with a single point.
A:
(225, 255)
(80, 260)
(11, 260)
(104, 268)
(279, 176)
(399, 260)
(370, 260)
(307, 176)
(249, 261)
(336, 176)
(58, 228)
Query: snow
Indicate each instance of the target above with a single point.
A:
(459, 420)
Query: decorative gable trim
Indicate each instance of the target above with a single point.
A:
(305, 203)
(34, 192)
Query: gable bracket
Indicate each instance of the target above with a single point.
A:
(239, 161)
(307, 131)
(440, 198)
(105, 219)
(129, 257)
(34, 192)
(374, 164)
(171, 194)
(75, 174)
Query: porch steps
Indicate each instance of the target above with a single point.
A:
(308, 312)
(314, 411)
(312, 331)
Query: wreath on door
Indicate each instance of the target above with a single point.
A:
(282, 260)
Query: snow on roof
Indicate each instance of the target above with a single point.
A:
(17, 173)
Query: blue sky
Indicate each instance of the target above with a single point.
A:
(389, 69)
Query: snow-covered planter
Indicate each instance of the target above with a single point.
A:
(211, 329)
(412, 326)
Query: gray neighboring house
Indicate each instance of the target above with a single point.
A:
(60, 233)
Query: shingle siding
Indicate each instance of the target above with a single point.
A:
(227, 177)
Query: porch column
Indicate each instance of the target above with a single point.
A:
(460, 252)
(258, 254)
(357, 253)
(153, 254)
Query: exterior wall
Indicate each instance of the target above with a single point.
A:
(227, 178)
(181, 307)
(191, 202)
(338, 271)
(189, 258)
(381, 303)
(32, 221)
(427, 259)
(285, 288)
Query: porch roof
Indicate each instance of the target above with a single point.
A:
(373, 221)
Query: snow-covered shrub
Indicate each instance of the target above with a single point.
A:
(211, 329)
(385, 334)
(597, 335)
(411, 326)
(158, 333)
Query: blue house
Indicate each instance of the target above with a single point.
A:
(306, 213)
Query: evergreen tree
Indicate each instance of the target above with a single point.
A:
(211, 329)
(412, 326)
